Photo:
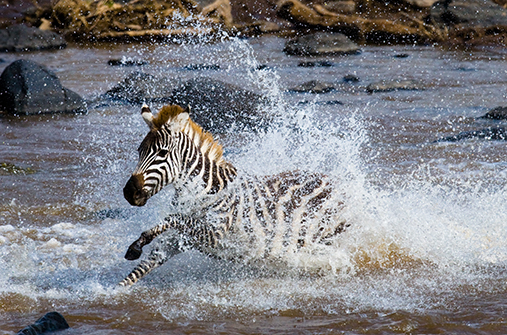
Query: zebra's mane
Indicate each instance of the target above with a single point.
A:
(202, 139)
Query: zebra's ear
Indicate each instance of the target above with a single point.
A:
(180, 121)
(147, 115)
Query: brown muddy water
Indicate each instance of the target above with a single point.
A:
(426, 252)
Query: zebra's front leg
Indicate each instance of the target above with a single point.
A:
(136, 249)
(166, 248)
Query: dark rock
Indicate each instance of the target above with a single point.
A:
(492, 133)
(498, 113)
(126, 61)
(322, 63)
(470, 22)
(472, 13)
(139, 87)
(51, 322)
(350, 78)
(401, 56)
(30, 88)
(321, 44)
(313, 86)
(393, 85)
(193, 67)
(22, 38)
(217, 106)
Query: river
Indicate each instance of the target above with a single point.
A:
(426, 251)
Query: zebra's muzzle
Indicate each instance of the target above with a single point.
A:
(133, 191)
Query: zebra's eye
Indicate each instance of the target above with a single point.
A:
(163, 153)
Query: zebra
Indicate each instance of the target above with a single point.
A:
(221, 212)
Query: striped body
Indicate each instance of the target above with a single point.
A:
(267, 219)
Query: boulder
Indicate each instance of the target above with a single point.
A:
(321, 44)
(470, 22)
(491, 133)
(498, 113)
(393, 85)
(30, 88)
(139, 87)
(313, 86)
(470, 13)
(217, 106)
(22, 38)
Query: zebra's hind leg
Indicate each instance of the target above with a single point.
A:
(166, 248)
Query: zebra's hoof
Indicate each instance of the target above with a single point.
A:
(133, 253)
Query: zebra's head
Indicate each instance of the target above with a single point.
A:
(159, 160)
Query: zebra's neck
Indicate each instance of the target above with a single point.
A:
(202, 158)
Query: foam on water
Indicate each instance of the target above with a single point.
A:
(409, 246)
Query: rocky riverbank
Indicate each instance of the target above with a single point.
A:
(445, 22)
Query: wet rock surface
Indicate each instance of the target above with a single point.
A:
(491, 133)
(321, 44)
(30, 88)
(216, 106)
(219, 106)
(22, 38)
(139, 87)
(498, 113)
(313, 86)
(470, 22)
(393, 85)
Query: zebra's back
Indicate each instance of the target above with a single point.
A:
(275, 216)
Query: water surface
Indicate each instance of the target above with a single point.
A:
(426, 252)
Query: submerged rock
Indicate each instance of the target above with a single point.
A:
(321, 44)
(393, 85)
(22, 38)
(30, 88)
(351, 78)
(51, 322)
(492, 133)
(313, 86)
(322, 63)
(498, 113)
